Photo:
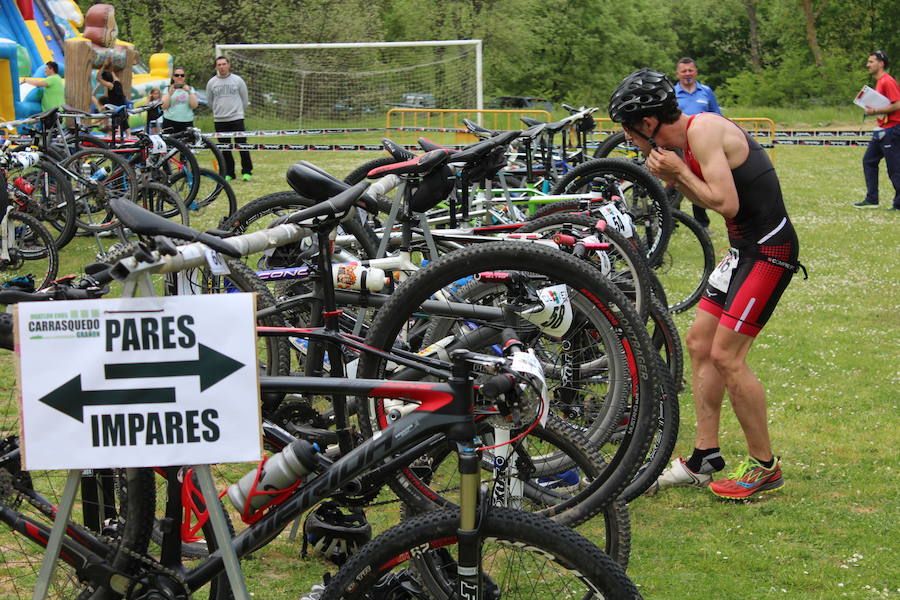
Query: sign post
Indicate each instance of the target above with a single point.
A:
(138, 382)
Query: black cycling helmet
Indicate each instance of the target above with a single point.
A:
(643, 93)
(334, 533)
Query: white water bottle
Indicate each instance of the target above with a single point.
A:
(354, 276)
(277, 473)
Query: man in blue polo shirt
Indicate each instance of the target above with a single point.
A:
(694, 97)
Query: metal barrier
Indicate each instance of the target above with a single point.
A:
(761, 128)
(451, 118)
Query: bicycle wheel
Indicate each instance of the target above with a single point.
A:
(176, 160)
(162, 200)
(593, 350)
(521, 556)
(592, 408)
(34, 496)
(212, 187)
(33, 259)
(622, 264)
(547, 473)
(665, 435)
(97, 176)
(45, 193)
(687, 263)
(615, 146)
(645, 197)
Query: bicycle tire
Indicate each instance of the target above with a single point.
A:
(51, 201)
(532, 545)
(160, 199)
(212, 187)
(615, 146)
(622, 264)
(596, 419)
(559, 452)
(687, 263)
(218, 158)
(92, 193)
(589, 289)
(32, 254)
(178, 159)
(646, 198)
(667, 341)
(664, 436)
(34, 494)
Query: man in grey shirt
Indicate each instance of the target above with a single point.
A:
(226, 94)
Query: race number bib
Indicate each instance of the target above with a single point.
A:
(158, 146)
(721, 276)
(555, 316)
(620, 221)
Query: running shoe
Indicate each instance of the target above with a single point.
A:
(678, 475)
(247, 177)
(865, 204)
(748, 479)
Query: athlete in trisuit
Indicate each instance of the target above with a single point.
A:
(725, 170)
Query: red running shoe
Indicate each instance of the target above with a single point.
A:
(748, 479)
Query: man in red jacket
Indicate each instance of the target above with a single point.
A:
(885, 142)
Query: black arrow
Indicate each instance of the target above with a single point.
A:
(70, 398)
(211, 366)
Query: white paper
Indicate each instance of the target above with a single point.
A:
(869, 97)
(82, 360)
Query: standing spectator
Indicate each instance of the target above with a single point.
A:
(178, 103)
(154, 114)
(54, 89)
(694, 97)
(115, 96)
(226, 94)
(885, 142)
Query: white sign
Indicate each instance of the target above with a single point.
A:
(138, 382)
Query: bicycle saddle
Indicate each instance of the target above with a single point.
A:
(314, 183)
(417, 165)
(144, 222)
(332, 209)
(554, 127)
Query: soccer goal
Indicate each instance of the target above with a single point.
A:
(355, 84)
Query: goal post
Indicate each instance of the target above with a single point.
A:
(355, 84)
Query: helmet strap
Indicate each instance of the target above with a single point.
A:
(651, 136)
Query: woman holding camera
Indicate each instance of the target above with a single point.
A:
(178, 104)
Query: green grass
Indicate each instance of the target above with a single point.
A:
(825, 360)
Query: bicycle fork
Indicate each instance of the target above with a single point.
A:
(469, 535)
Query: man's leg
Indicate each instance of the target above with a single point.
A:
(748, 399)
(891, 150)
(246, 161)
(226, 154)
(706, 382)
(870, 170)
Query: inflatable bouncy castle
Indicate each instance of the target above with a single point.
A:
(33, 32)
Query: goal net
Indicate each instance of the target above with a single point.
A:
(354, 84)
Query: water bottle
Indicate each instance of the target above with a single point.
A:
(24, 185)
(100, 174)
(353, 276)
(277, 473)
